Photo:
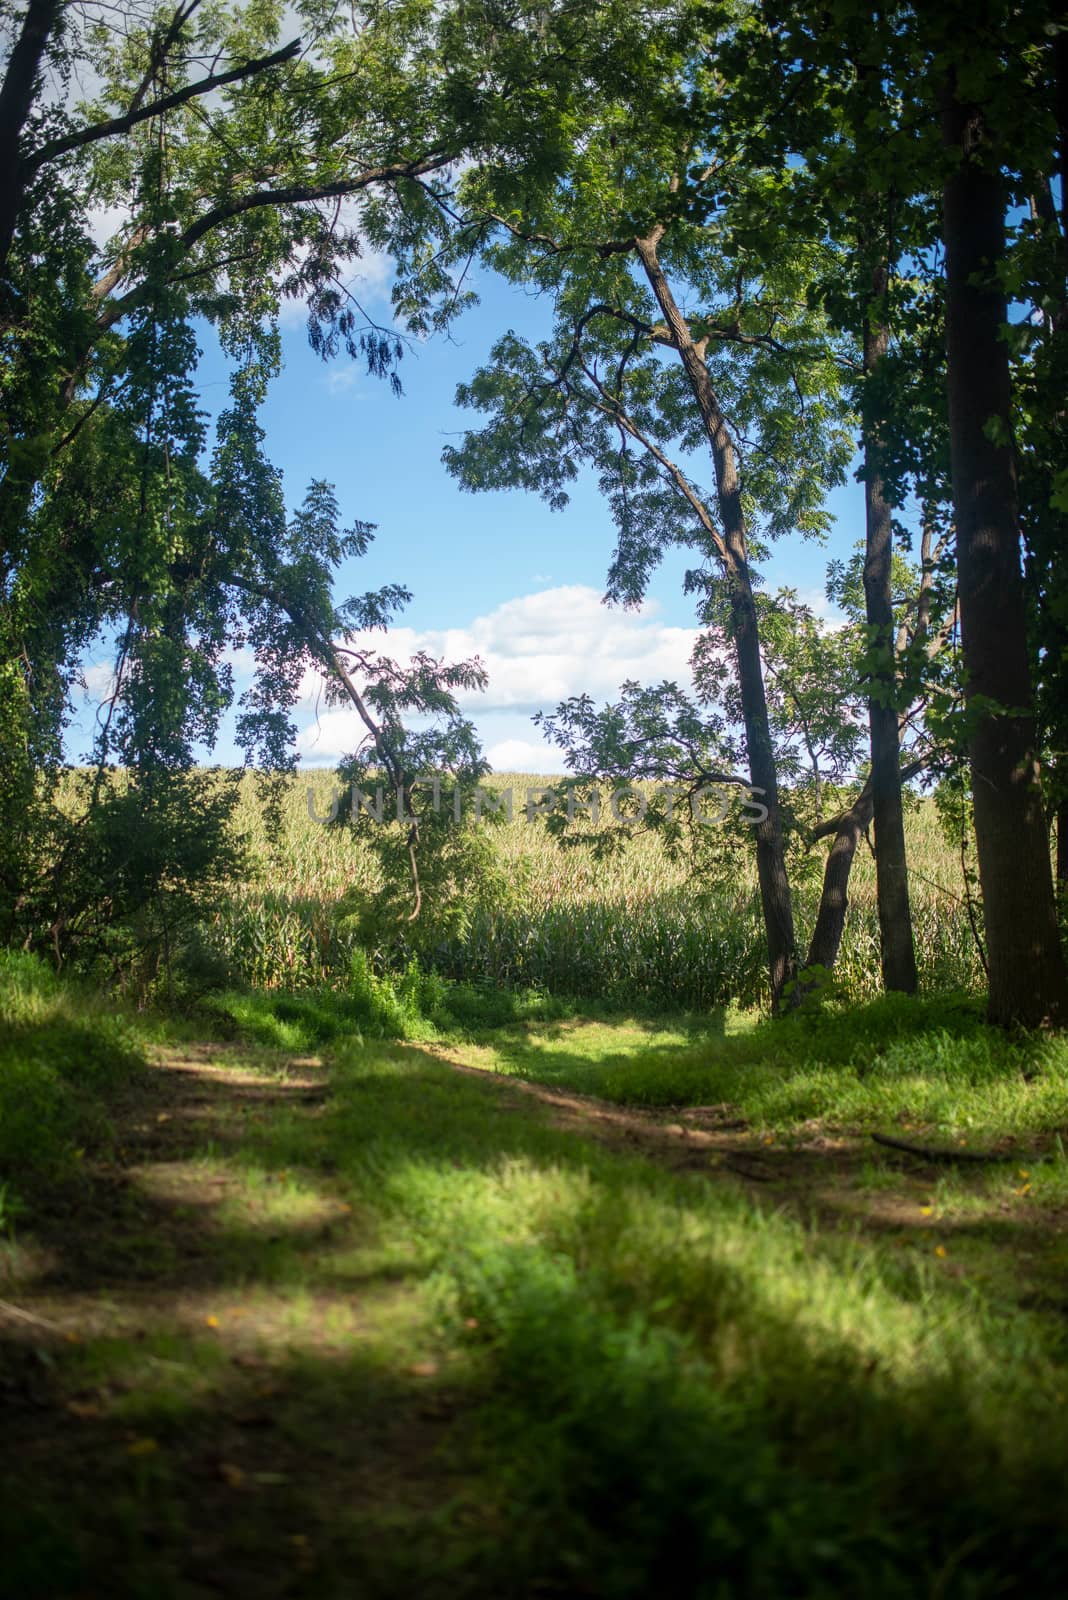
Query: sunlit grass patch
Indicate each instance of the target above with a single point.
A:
(403, 1315)
(605, 1289)
(932, 1063)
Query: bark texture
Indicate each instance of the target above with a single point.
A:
(16, 101)
(848, 829)
(891, 862)
(1027, 974)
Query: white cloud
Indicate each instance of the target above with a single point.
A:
(99, 680)
(373, 276)
(105, 222)
(242, 660)
(524, 755)
(330, 735)
(339, 380)
(538, 649)
(822, 609)
(368, 279)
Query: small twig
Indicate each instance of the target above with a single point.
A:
(8, 1310)
(748, 1173)
(932, 1153)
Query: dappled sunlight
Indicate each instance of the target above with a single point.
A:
(603, 1207)
(240, 1198)
(598, 1041)
(283, 1470)
(932, 1064)
(292, 1274)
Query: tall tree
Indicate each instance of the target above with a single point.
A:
(840, 130)
(891, 862)
(1027, 974)
(675, 332)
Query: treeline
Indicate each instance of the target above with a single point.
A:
(772, 245)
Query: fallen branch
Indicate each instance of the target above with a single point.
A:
(929, 1152)
(8, 1310)
(735, 1166)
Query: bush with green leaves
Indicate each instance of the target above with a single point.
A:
(134, 861)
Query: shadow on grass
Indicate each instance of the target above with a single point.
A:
(893, 1057)
(638, 1384)
(311, 1474)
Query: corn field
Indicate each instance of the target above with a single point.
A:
(636, 927)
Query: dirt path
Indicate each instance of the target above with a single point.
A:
(135, 1244)
(138, 1220)
(686, 1138)
(214, 1361)
(170, 1233)
(824, 1177)
(137, 1241)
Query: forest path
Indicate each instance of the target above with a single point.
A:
(246, 1347)
(214, 1377)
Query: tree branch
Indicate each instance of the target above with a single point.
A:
(16, 101)
(832, 824)
(160, 46)
(611, 407)
(929, 1152)
(323, 646)
(292, 194)
(54, 148)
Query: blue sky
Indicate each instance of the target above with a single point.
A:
(496, 574)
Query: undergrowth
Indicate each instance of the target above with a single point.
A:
(414, 1004)
(64, 1055)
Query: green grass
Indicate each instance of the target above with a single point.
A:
(64, 1054)
(414, 1005)
(635, 929)
(895, 1060)
(405, 1333)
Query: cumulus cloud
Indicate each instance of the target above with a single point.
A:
(369, 278)
(538, 649)
(339, 380)
(105, 222)
(524, 755)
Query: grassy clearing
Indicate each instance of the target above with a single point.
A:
(383, 1327)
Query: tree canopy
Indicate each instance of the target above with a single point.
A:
(753, 236)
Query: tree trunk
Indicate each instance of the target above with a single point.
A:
(775, 898)
(891, 862)
(1027, 975)
(1060, 111)
(770, 851)
(849, 829)
(16, 101)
